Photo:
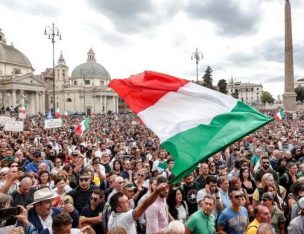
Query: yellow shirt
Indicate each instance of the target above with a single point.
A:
(96, 180)
(253, 227)
(256, 193)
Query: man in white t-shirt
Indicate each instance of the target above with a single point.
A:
(123, 216)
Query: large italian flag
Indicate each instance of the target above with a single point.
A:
(192, 122)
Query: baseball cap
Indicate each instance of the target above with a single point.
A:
(4, 170)
(268, 196)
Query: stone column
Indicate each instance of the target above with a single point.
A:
(105, 104)
(102, 104)
(13, 97)
(289, 96)
(117, 105)
(113, 101)
(37, 106)
(42, 103)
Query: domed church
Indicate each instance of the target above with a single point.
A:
(18, 84)
(86, 90)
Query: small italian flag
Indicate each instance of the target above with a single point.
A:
(57, 114)
(192, 122)
(83, 126)
(65, 114)
(280, 115)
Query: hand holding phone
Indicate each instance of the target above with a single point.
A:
(8, 213)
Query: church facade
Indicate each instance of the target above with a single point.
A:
(18, 84)
(86, 90)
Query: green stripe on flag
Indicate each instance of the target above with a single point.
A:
(190, 147)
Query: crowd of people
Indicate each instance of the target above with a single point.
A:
(114, 178)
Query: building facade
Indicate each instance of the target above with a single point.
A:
(18, 84)
(246, 92)
(85, 91)
(299, 82)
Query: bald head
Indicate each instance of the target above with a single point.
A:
(265, 228)
(277, 154)
(25, 185)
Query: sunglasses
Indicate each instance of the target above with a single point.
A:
(239, 196)
(265, 200)
(83, 179)
(95, 199)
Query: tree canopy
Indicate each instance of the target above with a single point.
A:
(207, 78)
(267, 97)
(300, 93)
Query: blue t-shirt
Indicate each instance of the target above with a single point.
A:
(234, 222)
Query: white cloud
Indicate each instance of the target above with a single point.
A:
(245, 41)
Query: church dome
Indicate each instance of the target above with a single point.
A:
(10, 55)
(90, 68)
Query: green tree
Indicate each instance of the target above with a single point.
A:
(300, 93)
(266, 97)
(222, 84)
(207, 78)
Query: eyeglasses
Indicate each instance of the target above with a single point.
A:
(239, 196)
(83, 179)
(95, 199)
(140, 175)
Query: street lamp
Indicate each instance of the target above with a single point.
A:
(197, 56)
(52, 32)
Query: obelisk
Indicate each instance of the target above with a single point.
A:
(289, 96)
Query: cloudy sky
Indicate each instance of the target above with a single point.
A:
(239, 39)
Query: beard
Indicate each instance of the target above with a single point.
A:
(266, 167)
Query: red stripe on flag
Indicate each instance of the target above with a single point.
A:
(145, 89)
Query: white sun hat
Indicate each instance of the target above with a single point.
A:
(43, 195)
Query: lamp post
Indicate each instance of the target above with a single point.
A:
(197, 56)
(52, 32)
(84, 107)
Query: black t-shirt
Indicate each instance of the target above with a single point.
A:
(88, 212)
(23, 199)
(81, 198)
(189, 194)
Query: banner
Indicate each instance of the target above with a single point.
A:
(13, 126)
(53, 123)
(4, 119)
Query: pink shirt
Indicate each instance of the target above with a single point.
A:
(157, 217)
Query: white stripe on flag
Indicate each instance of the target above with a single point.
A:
(190, 106)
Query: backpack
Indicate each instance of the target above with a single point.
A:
(106, 212)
